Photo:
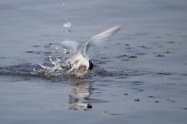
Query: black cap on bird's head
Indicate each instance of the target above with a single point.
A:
(90, 65)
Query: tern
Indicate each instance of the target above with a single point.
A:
(78, 59)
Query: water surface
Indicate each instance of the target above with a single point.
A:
(142, 69)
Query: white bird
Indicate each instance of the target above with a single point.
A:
(77, 59)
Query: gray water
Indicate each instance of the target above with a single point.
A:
(143, 68)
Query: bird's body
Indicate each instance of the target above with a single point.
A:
(78, 59)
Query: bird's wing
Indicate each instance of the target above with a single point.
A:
(70, 45)
(101, 37)
(73, 46)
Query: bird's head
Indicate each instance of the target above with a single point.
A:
(90, 65)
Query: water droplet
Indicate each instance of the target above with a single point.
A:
(65, 51)
(63, 4)
(67, 25)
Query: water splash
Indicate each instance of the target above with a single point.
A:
(54, 68)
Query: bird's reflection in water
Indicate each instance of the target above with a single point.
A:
(79, 92)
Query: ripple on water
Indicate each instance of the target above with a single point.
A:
(2, 57)
(137, 83)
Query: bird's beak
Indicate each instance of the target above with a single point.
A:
(86, 72)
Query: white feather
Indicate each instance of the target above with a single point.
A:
(71, 45)
(101, 37)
